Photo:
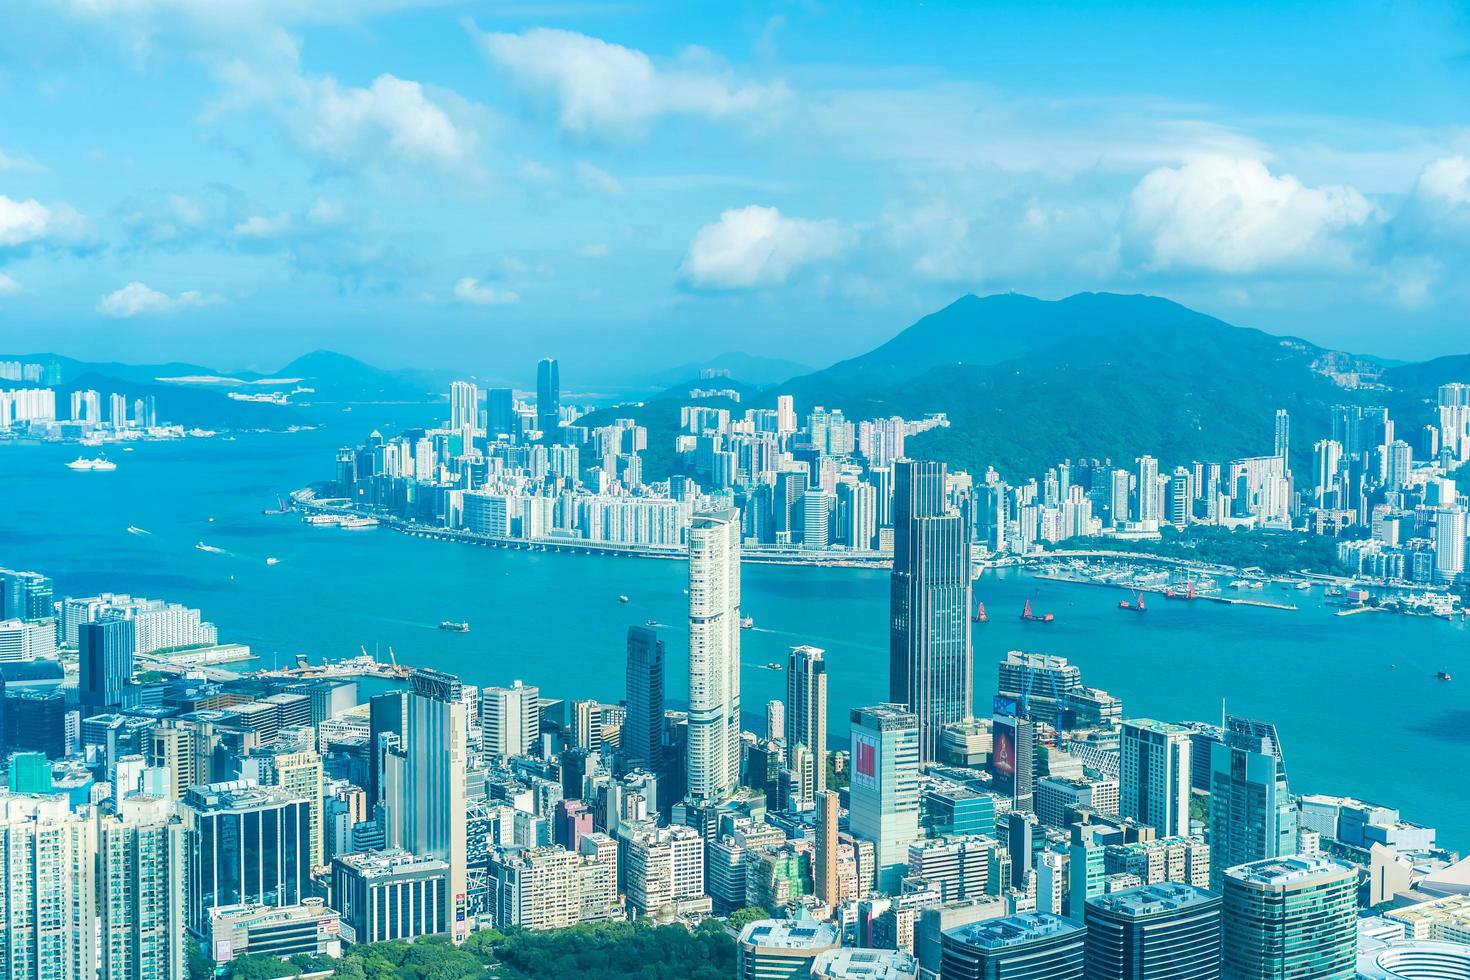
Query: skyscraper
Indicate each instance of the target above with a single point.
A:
(500, 412)
(883, 804)
(510, 719)
(141, 898)
(806, 709)
(1166, 930)
(1150, 493)
(642, 740)
(548, 398)
(1282, 442)
(429, 814)
(1293, 917)
(714, 654)
(930, 667)
(1252, 815)
(105, 663)
(1154, 759)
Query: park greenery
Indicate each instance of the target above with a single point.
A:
(1275, 552)
(613, 950)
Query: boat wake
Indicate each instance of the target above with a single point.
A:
(211, 549)
(134, 529)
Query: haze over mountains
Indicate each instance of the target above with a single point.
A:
(1024, 382)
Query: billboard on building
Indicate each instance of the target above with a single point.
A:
(865, 761)
(1003, 749)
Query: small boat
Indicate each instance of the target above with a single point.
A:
(622, 598)
(280, 507)
(450, 626)
(774, 666)
(1443, 675)
(209, 548)
(1136, 605)
(650, 622)
(746, 623)
(272, 560)
(1303, 585)
(1172, 593)
(978, 616)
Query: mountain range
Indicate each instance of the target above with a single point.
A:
(1026, 383)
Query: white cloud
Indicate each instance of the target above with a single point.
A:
(473, 291)
(605, 89)
(391, 121)
(10, 162)
(1446, 182)
(758, 246)
(31, 222)
(263, 226)
(1231, 215)
(599, 180)
(137, 299)
(9, 285)
(324, 211)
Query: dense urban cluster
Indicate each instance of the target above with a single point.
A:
(157, 801)
(821, 487)
(31, 411)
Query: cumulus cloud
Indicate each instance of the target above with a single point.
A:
(1231, 215)
(138, 299)
(30, 222)
(391, 122)
(599, 180)
(603, 89)
(8, 285)
(263, 226)
(473, 291)
(758, 246)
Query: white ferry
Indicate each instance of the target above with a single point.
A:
(101, 464)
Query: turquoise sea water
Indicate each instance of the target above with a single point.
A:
(1356, 701)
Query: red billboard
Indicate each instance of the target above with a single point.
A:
(1003, 750)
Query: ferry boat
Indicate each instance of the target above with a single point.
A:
(358, 523)
(101, 464)
(746, 623)
(450, 626)
(272, 560)
(650, 622)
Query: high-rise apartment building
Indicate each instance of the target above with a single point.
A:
(48, 856)
(714, 654)
(806, 710)
(141, 901)
(930, 668)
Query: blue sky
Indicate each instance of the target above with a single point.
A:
(426, 183)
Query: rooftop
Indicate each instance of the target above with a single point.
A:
(1013, 930)
(1286, 872)
(852, 963)
(800, 934)
(1153, 899)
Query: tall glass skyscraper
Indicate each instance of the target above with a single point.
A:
(1251, 812)
(714, 654)
(1164, 930)
(1292, 918)
(548, 398)
(930, 665)
(642, 740)
(246, 843)
(105, 662)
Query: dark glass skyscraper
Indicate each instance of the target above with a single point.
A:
(105, 662)
(1026, 946)
(1164, 930)
(1252, 816)
(930, 664)
(643, 732)
(548, 398)
(500, 412)
(246, 844)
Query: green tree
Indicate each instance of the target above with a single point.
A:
(743, 917)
